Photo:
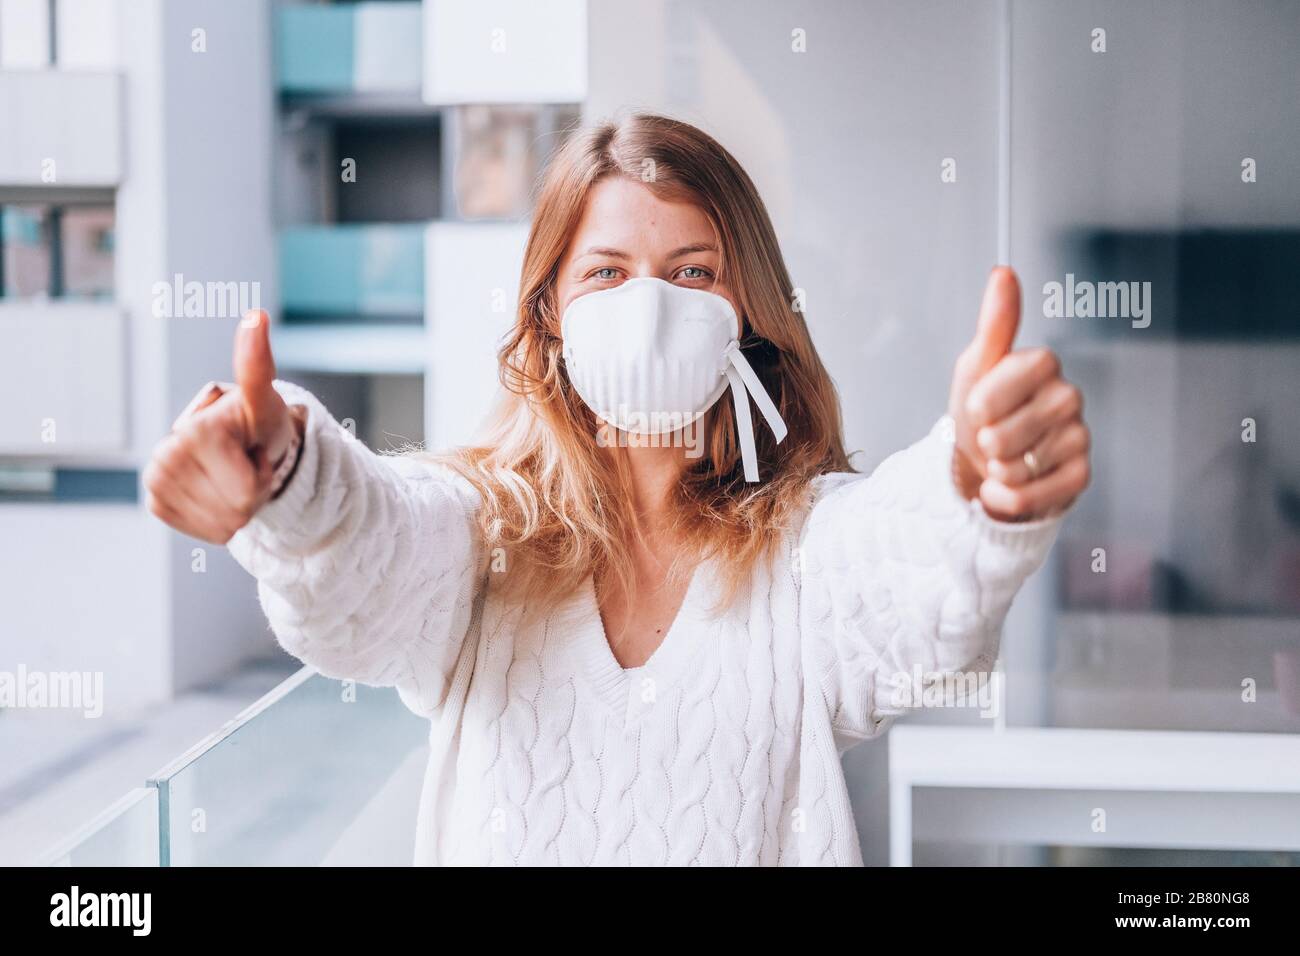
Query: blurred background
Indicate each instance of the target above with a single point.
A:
(364, 171)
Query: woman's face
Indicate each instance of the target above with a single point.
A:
(627, 232)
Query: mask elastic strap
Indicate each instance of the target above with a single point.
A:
(744, 382)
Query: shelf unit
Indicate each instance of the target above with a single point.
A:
(409, 123)
(351, 348)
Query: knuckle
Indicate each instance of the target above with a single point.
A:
(184, 418)
(186, 438)
(163, 453)
(245, 502)
(201, 429)
(1018, 502)
(994, 443)
(164, 463)
(1085, 438)
(1070, 400)
(1046, 362)
(1085, 473)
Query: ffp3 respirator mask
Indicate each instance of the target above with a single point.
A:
(650, 358)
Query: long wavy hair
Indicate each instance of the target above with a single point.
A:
(558, 504)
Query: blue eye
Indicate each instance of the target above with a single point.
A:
(606, 273)
(694, 272)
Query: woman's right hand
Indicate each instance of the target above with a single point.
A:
(213, 472)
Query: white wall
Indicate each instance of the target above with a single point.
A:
(76, 598)
(86, 586)
(217, 125)
(195, 199)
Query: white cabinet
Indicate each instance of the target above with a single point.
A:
(60, 129)
(24, 34)
(63, 367)
(85, 34)
(505, 51)
(386, 47)
(471, 287)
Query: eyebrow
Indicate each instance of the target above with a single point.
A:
(694, 247)
(605, 251)
(675, 254)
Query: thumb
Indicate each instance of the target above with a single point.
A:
(263, 407)
(999, 319)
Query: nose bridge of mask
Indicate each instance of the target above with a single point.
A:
(636, 313)
(651, 314)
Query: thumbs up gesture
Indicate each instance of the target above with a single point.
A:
(1021, 444)
(211, 474)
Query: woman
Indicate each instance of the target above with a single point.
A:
(644, 621)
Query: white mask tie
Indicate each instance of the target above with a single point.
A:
(743, 378)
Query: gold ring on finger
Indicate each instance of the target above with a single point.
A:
(1032, 463)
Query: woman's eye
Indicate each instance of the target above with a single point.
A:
(607, 274)
(694, 272)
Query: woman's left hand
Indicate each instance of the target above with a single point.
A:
(1021, 444)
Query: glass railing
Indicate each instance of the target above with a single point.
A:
(125, 834)
(318, 772)
(1168, 290)
(369, 272)
(349, 48)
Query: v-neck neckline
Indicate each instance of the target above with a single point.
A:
(619, 686)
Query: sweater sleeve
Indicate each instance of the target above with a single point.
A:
(367, 565)
(905, 583)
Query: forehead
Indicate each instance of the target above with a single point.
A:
(625, 214)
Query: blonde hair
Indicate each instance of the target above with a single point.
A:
(556, 502)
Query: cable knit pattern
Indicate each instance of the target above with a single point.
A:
(724, 748)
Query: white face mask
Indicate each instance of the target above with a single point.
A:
(650, 358)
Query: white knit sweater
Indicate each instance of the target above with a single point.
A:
(724, 748)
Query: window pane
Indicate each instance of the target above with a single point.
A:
(498, 155)
(26, 245)
(1156, 224)
(88, 252)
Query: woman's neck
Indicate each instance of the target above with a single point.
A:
(654, 473)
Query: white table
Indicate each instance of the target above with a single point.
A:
(1045, 786)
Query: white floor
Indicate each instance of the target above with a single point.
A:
(59, 770)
